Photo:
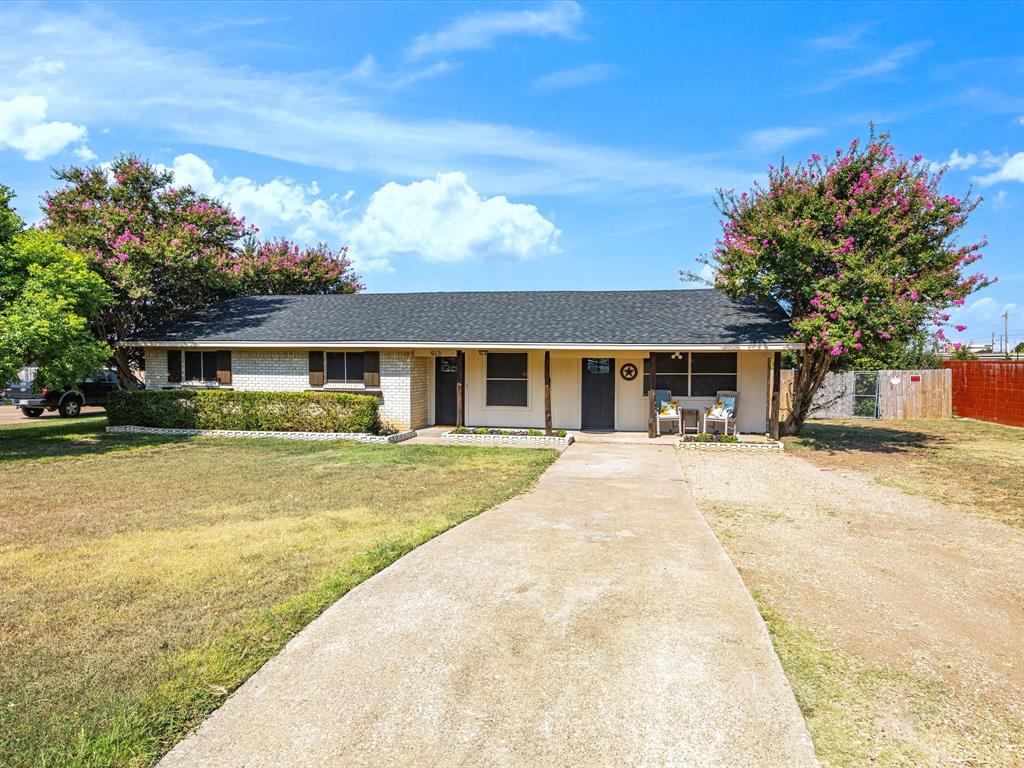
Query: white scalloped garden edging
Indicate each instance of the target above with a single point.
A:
(359, 437)
(772, 446)
(469, 437)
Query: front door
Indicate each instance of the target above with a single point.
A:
(598, 393)
(446, 377)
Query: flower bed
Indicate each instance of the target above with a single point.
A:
(708, 437)
(506, 436)
(706, 441)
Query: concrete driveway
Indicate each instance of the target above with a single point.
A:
(593, 621)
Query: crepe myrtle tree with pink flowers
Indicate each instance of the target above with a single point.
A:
(166, 251)
(282, 267)
(860, 248)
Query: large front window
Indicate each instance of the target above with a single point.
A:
(692, 374)
(344, 367)
(200, 366)
(506, 379)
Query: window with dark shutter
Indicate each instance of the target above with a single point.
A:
(316, 369)
(174, 366)
(211, 366)
(344, 367)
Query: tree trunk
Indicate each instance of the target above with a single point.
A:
(809, 374)
(125, 375)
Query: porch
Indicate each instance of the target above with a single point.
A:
(596, 391)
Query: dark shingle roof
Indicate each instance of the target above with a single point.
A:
(703, 316)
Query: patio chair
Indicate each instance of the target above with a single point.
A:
(665, 409)
(723, 411)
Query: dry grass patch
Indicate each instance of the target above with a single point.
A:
(972, 464)
(143, 579)
(897, 618)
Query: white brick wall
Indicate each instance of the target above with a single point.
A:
(403, 379)
(156, 368)
(271, 370)
(395, 375)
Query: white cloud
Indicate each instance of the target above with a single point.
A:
(575, 77)
(42, 66)
(890, 62)
(983, 316)
(840, 41)
(775, 138)
(1012, 169)
(958, 162)
(276, 204)
(117, 79)
(23, 126)
(444, 219)
(85, 154)
(479, 30)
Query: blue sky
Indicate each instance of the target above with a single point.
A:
(518, 146)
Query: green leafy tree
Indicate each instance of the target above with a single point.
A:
(860, 248)
(48, 296)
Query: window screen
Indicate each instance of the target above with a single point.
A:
(506, 379)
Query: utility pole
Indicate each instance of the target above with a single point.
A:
(1006, 331)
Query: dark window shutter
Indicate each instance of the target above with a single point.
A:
(316, 369)
(174, 366)
(371, 369)
(224, 366)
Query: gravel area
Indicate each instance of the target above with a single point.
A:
(927, 598)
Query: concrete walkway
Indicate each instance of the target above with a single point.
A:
(594, 621)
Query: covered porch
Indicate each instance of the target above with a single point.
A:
(593, 390)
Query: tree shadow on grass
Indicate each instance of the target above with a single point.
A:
(70, 439)
(871, 439)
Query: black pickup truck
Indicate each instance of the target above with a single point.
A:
(69, 402)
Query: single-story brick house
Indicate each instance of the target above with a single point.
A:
(479, 358)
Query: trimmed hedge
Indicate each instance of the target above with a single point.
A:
(229, 409)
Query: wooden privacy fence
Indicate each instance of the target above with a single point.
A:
(991, 390)
(923, 394)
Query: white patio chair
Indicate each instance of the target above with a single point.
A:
(723, 411)
(665, 409)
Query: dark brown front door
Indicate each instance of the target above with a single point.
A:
(446, 377)
(598, 393)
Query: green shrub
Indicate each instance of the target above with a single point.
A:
(708, 437)
(229, 409)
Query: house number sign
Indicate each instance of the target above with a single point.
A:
(628, 371)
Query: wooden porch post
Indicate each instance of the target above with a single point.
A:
(776, 396)
(547, 393)
(460, 386)
(652, 417)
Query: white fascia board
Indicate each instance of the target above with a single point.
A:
(228, 344)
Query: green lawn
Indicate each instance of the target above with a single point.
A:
(972, 464)
(144, 578)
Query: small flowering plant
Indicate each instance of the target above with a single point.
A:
(860, 248)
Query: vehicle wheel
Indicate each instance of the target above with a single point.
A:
(71, 407)
(32, 413)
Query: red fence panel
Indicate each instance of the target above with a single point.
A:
(991, 390)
